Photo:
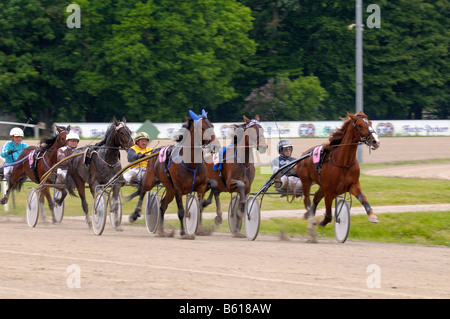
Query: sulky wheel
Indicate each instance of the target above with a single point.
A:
(342, 221)
(234, 220)
(99, 213)
(252, 217)
(33, 207)
(58, 210)
(192, 214)
(152, 212)
(115, 211)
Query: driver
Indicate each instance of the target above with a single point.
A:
(286, 180)
(12, 149)
(141, 149)
(72, 143)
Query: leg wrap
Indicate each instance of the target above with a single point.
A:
(364, 203)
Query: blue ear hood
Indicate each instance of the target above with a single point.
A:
(194, 116)
(204, 114)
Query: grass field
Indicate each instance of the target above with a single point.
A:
(418, 228)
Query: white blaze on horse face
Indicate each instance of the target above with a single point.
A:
(376, 140)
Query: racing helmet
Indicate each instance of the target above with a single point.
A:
(16, 131)
(284, 143)
(72, 136)
(140, 136)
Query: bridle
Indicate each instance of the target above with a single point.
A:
(116, 134)
(256, 126)
(370, 131)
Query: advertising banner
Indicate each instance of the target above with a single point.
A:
(286, 129)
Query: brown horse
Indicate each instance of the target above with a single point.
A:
(338, 170)
(45, 158)
(235, 171)
(183, 171)
(103, 163)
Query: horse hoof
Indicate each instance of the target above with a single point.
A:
(238, 235)
(189, 237)
(323, 223)
(373, 219)
(218, 220)
(133, 217)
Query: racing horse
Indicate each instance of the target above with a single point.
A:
(337, 170)
(234, 170)
(180, 168)
(100, 163)
(44, 157)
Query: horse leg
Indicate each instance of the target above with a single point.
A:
(84, 204)
(170, 194)
(46, 193)
(213, 186)
(316, 200)
(356, 191)
(137, 211)
(147, 183)
(242, 198)
(15, 177)
(310, 211)
(328, 214)
(42, 196)
(179, 200)
(5, 198)
(218, 218)
(306, 186)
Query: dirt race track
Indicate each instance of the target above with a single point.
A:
(68, 261)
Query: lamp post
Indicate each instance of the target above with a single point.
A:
(359, 68)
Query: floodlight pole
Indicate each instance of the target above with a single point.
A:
(359, 68)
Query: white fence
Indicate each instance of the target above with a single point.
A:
(287, 129)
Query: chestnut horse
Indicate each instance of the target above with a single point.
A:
(339, 171)
(103, 163)
(235, 170)
(44, 160)
(183, 170)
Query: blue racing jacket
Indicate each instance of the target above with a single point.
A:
(9, 158)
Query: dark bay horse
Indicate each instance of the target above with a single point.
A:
(103, 163)
(183, 170)
(339, 171)
(235, 170)
(45, 158)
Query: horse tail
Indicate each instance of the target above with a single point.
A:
(70, 184)
(136, 193)
(18, 185)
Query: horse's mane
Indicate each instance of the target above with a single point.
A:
(178, 136)
(47, 142)
(231, 133)
(108, 133)
(337, 136)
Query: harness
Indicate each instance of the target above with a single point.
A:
(169, 160)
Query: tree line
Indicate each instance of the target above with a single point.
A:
(283, 59)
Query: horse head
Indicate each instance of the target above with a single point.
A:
(203, 130)
(364, 131)
(254, 134)
(122, 134)
(61, 136)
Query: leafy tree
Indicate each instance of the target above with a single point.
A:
(406, 60)
(34, 69)
(161, 57)
(286, 99)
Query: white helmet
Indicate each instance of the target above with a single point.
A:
(16, 132)
(72, 136)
